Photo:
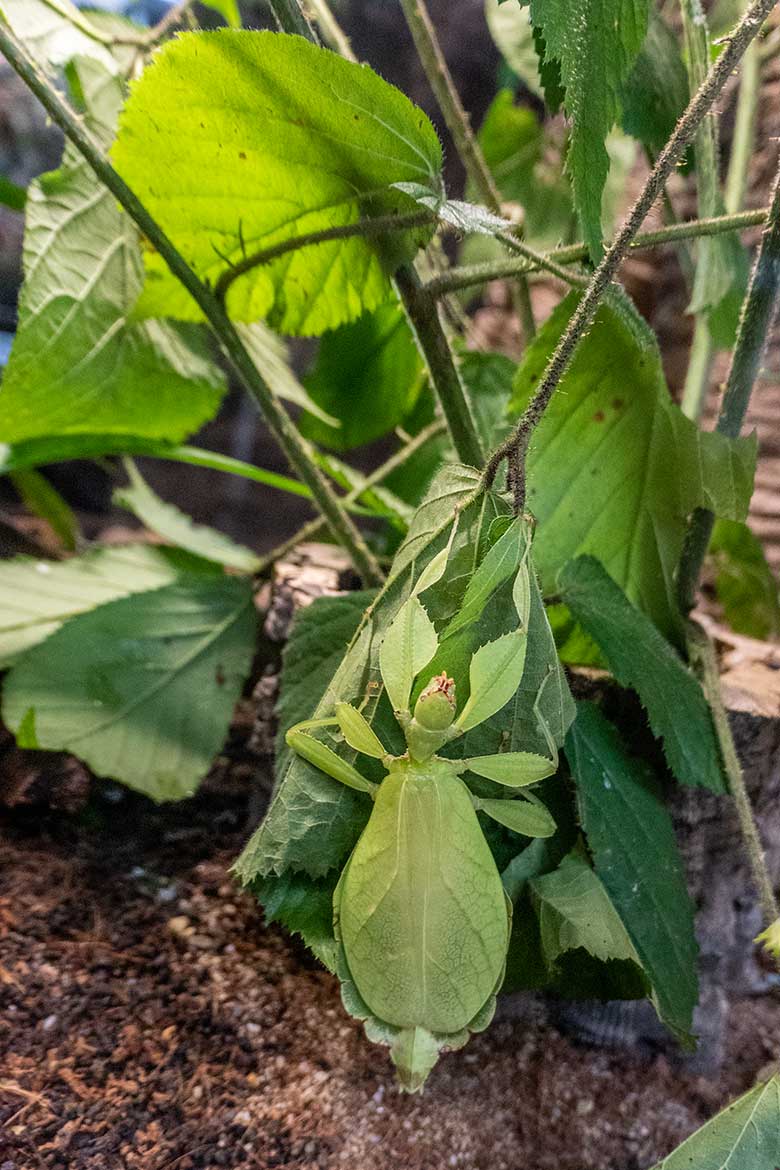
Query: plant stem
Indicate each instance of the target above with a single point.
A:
(331, 30)
(471, 274)
(364, 227)
(744, 130)
(701, 653)
(707, 279)
(758, 312)
(314, 528)
(278, 421)
(697, 375)
(541, 260)
(291, 18)
(747, 29)
(459, 125)
(423, 315)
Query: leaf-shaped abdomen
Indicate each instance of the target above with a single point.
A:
(422, 913)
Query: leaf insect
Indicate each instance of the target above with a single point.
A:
(419, 912)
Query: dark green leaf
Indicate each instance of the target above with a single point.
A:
(368, 376)
(596, 43)
(142, 689)
(641, 658)
(12, 195)
(303, 906)
(217, 115)
(612, 421)
(630, 835)
(656, 92)
(744, 582)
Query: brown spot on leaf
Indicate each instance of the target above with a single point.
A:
(599, 416)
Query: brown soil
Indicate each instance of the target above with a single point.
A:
(150, 1021)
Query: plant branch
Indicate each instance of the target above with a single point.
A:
(314, 528)
(471, 274)
(701, 653)
(423, 315)
(758, 312)
(332, 32)
(291, 18)
(275, 416)
(747, 29)
(541, 260)
(364, 227)
(459, 125)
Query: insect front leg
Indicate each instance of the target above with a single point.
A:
(321, 756)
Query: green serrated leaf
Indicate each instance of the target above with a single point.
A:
(142, 689)
(656, 91)
(744, 1136)
(302, 906)
(575, 911)
(175, 527)
(218, 114)
(367, 376)
(77, 365)
(745, 585)
(641, 658)
(622, 505)
(37, 596)
(630, 835)
(596, 43)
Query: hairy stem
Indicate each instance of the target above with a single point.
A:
(423, 315)
(364, 227)
(315, 528)
(702, 655)
(747, 29)
(471, 274)
(278, 421)
(758, 311)
(291, 18)
(459, 125)
(707, 275)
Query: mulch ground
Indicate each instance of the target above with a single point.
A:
(150, 1021)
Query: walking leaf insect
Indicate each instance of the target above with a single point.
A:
(420, 913)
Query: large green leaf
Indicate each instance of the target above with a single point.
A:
(601, 460)
(177, 528)
(641, 658)
(142, 689)
(575, 911)
(77, 364)
(368, 375)
(37, 596)
(237, 141)
(596, 43)
(745, 1136)
(630, 835)
(744, 582)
